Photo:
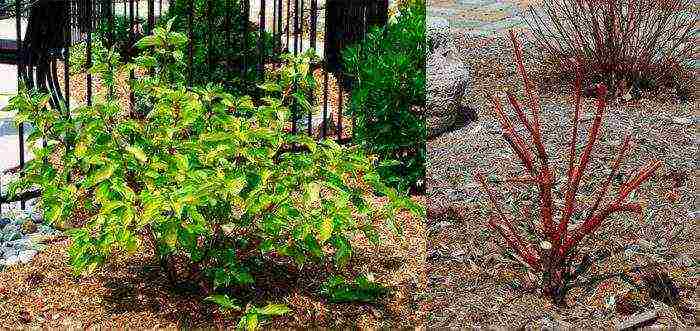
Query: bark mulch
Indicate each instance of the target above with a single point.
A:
(473, 280)
(131, 291)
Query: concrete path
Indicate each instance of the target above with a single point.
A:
(479, 17)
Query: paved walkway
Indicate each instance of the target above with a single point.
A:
(479, 17)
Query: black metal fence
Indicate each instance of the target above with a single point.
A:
(47, 33)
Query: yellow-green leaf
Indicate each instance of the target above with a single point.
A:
(138, 153)
(313, 190)
(103, 174)
(274, 309)
(252, 322)
(326, 230)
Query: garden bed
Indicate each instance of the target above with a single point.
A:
(473, 282)
(132, 292)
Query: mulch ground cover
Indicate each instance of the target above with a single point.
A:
(474, 281)
(131, 291)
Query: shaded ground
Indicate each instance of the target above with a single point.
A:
(472, 279)
(132, 292)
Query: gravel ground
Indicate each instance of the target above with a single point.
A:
(473, 281)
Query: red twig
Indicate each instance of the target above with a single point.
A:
(606, 185)
(590, 225)
(544, 178)
(553, 262)
(513, 138)
(505, 228)
(576, 173)
(519, 112)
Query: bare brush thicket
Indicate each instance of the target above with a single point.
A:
(554, 255)
(623, 43)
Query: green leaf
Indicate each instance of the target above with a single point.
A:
(182, 162)
(343, 250)
(274, 309)
(251, 322)
(147, 41)
(313, 192)
(103, 174)
(138, 153)
(224, 302)
(325, 230)
(271, 87)
(337, 289)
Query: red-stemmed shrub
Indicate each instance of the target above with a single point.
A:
(623, 43)
(554, 256)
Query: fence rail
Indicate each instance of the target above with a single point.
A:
(47, 34)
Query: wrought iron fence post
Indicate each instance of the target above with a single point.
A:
(278, 37)
(20, 67)
(151, 15)
(190, 60)
(314, 24)
(132, 41)
(296, 27)
(261, 47)
(244, 21)
(88, 53)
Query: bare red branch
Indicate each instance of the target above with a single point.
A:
(615, 167)
(577, 172)
(506, 229)
(513, 138)
(519, 111)
(544, 178)
(592, 224)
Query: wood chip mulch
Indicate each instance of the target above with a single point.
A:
(474, 281)
(131, 291)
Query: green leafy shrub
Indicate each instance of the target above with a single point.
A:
(361, 289)
(225, 46)
(118, 31)
(205, 179)
(388, 72)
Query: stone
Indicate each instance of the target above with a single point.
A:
(447, 84)
(10, 232)
(438, 34)
(442, 224)
(10, 227)
(26, 256)
(4, 221)
(10, 261)
(28, 227)
(37, 216)
(21, 244)
(682, 120)
(7, 252)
